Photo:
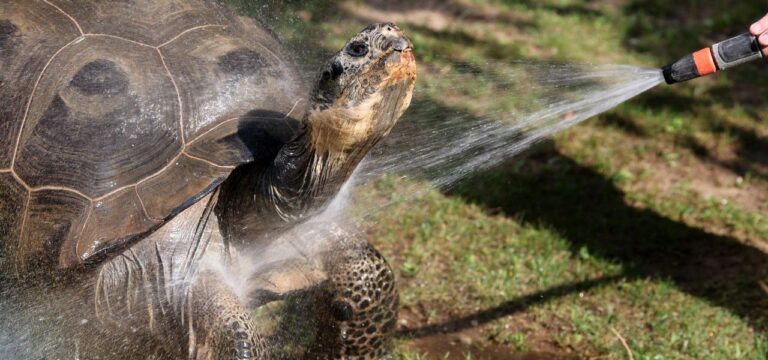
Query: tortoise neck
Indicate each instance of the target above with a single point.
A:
(310, 170)
(258, 201)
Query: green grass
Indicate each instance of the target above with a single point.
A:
(453, 257)
(649, 221)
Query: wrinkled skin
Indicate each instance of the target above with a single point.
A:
(184, 291)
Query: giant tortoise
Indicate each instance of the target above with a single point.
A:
(140, 139)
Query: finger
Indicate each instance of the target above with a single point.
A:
(763, 39)
(761, 26)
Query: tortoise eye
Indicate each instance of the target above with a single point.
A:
(357, 49)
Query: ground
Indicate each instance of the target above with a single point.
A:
(638, 234)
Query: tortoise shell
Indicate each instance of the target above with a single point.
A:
(117, 115)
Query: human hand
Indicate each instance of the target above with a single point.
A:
(760, 29)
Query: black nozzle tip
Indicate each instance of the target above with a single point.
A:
(680, 70)
(667, 71)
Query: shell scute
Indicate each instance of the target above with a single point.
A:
(106, 118)
(184, 181)
(112, 222)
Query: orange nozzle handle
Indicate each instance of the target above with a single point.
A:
(705, 62)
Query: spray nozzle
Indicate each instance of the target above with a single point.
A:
(723, 55)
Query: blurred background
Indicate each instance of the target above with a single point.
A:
(643, 231)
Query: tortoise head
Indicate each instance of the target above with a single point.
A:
(363, 89)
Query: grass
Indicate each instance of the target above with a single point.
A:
(649, 221)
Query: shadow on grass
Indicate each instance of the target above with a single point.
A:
(507, 308)
(592, 213)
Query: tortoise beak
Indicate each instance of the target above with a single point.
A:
(402, 62)
(390, 37)
(402, 57)
(403, 44)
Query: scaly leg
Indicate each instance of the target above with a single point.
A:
(220, 326)
(347, 295)
(359, 307)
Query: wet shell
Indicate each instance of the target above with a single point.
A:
(117, 115)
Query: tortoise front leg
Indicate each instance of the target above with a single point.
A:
(220, 327)
(345, 297)
(358, 310)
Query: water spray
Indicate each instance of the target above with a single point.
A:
(723, 55)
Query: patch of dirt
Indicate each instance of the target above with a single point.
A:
(710, 178)
(459, 346)
(474, 341)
